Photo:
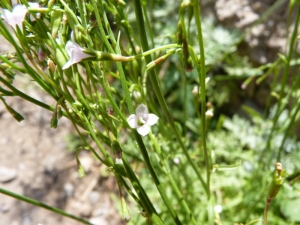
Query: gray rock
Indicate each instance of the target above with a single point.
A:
(69, 189)
(94, 197)
(98, 221)
(7, 174)
(4, 208)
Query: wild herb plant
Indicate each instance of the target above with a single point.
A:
(133, 79)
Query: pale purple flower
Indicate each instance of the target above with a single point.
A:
(142, 120)
(76, 54)
(16, 17)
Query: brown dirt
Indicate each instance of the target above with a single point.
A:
(47, 172)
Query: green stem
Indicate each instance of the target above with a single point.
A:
(42, 205)
(283, 83)
(148, 24)
(142, 194)
(14, 66)
(202, 76)
(159, 186)
(158, 92)
(166, 169)
(30, 71)
(266, 213)
(147, 204)
(291, 124)
(24, 96)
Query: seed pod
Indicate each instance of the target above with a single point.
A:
(278, 179)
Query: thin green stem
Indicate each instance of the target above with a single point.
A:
(159, 186)
(174, 186)
(30, 71)
(24, 96)
(158, 92)
(145, 200)
(283, 83)
(202, 76)
(14, 66)
(290, 125)
(42, 205)
(149, 28)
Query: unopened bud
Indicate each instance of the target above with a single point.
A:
(137, 95)
(278, 168)
(176, 160)
(110, 111)
(41, 55)
(51, 65)
(208, 105)
(209, 113)
(118, 161)
(195, 91)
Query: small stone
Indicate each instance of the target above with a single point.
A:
(26, 220)
(69, 189)
(49, 163)
(4, 208)
(94, 197)
(7, 174)
(87, 163)
(98, 221)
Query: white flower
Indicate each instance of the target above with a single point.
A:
(34, 5)
(76, 54)
(209, 113)
(176, 160)
(142, 120)
(16, 17)
(218, 208)
(119, 161)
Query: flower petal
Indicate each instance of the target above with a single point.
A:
(141, 110)
(152, 119)
(132, 121)
(34, 4)
(68, 64)
(6, 15)
(16, 17)
(19, 13)
(70, 47)
(143, 130)
(75, 52)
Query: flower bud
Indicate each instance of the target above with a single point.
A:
(209, 113)
(51, 65)
(41, 55)
(195, 90)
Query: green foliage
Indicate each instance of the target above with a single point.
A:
(196, 159)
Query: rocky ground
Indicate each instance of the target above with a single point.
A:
(34, 162)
